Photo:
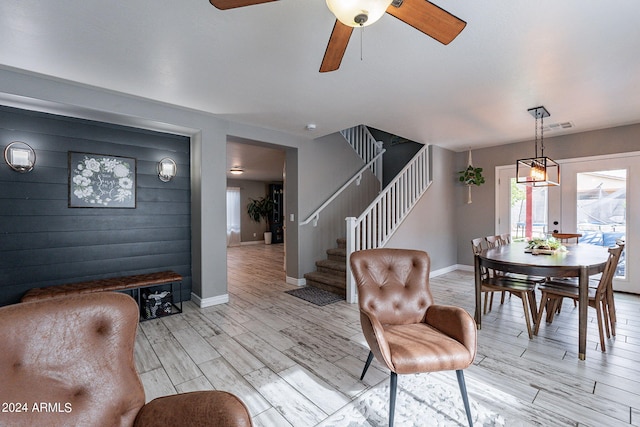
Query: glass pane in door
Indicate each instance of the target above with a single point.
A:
(528, 211)
(602, 209)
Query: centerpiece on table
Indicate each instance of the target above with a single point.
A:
(544, 246)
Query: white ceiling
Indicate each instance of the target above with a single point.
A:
(259, 163)
(259, 64)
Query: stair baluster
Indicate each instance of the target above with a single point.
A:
(384, 215)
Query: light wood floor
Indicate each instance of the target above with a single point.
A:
(296, 364)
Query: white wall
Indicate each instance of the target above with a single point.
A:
(325, 166)
(478, 218)
(431, 225)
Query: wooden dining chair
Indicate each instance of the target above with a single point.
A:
(476, 246)
(492, 281)
(567, 237)
(493, 241)
(554, 293)
(611, 304)
(505, 238)
(572, 282)
(499, 240)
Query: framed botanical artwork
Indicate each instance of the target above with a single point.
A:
(101, 181)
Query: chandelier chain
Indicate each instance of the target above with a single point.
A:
(536, 133)
(542, 136)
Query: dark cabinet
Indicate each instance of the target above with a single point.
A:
(277, 219)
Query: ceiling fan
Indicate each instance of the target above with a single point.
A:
(420, 14)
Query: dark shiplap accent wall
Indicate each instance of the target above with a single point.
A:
(43, 242)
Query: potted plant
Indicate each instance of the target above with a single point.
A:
(544, 245)
(471, 176)
(259, 209)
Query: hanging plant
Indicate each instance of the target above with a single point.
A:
(471, 176)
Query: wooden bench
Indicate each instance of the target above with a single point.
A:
(111, 284)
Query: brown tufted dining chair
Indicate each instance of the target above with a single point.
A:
(406, 331)
(74, 354)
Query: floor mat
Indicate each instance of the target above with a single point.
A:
(315, 296)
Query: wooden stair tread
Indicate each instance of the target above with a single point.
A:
(333, 265)
(331, 274)
(337, 251)
(328, 282)
(333, 279)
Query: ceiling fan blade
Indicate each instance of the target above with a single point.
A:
(232, 4)
(337, 46)
(428, 18)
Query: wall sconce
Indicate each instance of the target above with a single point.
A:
(236, 170)
(20, 156)
(167, 169)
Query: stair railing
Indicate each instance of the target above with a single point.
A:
(384, 215)
(315, 216)
(366, 146)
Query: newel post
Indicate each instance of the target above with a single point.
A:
(351, 294)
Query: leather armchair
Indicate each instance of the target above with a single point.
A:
(406, 331)
(69, 361)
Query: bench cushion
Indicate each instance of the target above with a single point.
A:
(103, 285)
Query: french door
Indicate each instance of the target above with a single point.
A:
(595, 198)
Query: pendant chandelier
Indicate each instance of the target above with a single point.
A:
(538, 171)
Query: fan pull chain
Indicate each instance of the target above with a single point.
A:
(361, 37)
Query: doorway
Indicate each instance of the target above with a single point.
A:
(263, 172)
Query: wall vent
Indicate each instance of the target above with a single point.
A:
(558, 126)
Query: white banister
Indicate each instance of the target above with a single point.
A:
(315, 216)
(384, 215)
(366, 146)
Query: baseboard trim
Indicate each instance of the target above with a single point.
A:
(464, 267)
(297, 282)
(440, 272)
(451, 268)
(208, 302)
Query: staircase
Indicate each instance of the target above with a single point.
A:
(363, 143)
(331, 273)
(381, 219)
(375, 226)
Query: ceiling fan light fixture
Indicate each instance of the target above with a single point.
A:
(358, 13)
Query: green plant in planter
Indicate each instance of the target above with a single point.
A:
(471, 176)
(548, 243)
(259, 209)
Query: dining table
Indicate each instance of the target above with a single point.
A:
(573, 260)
